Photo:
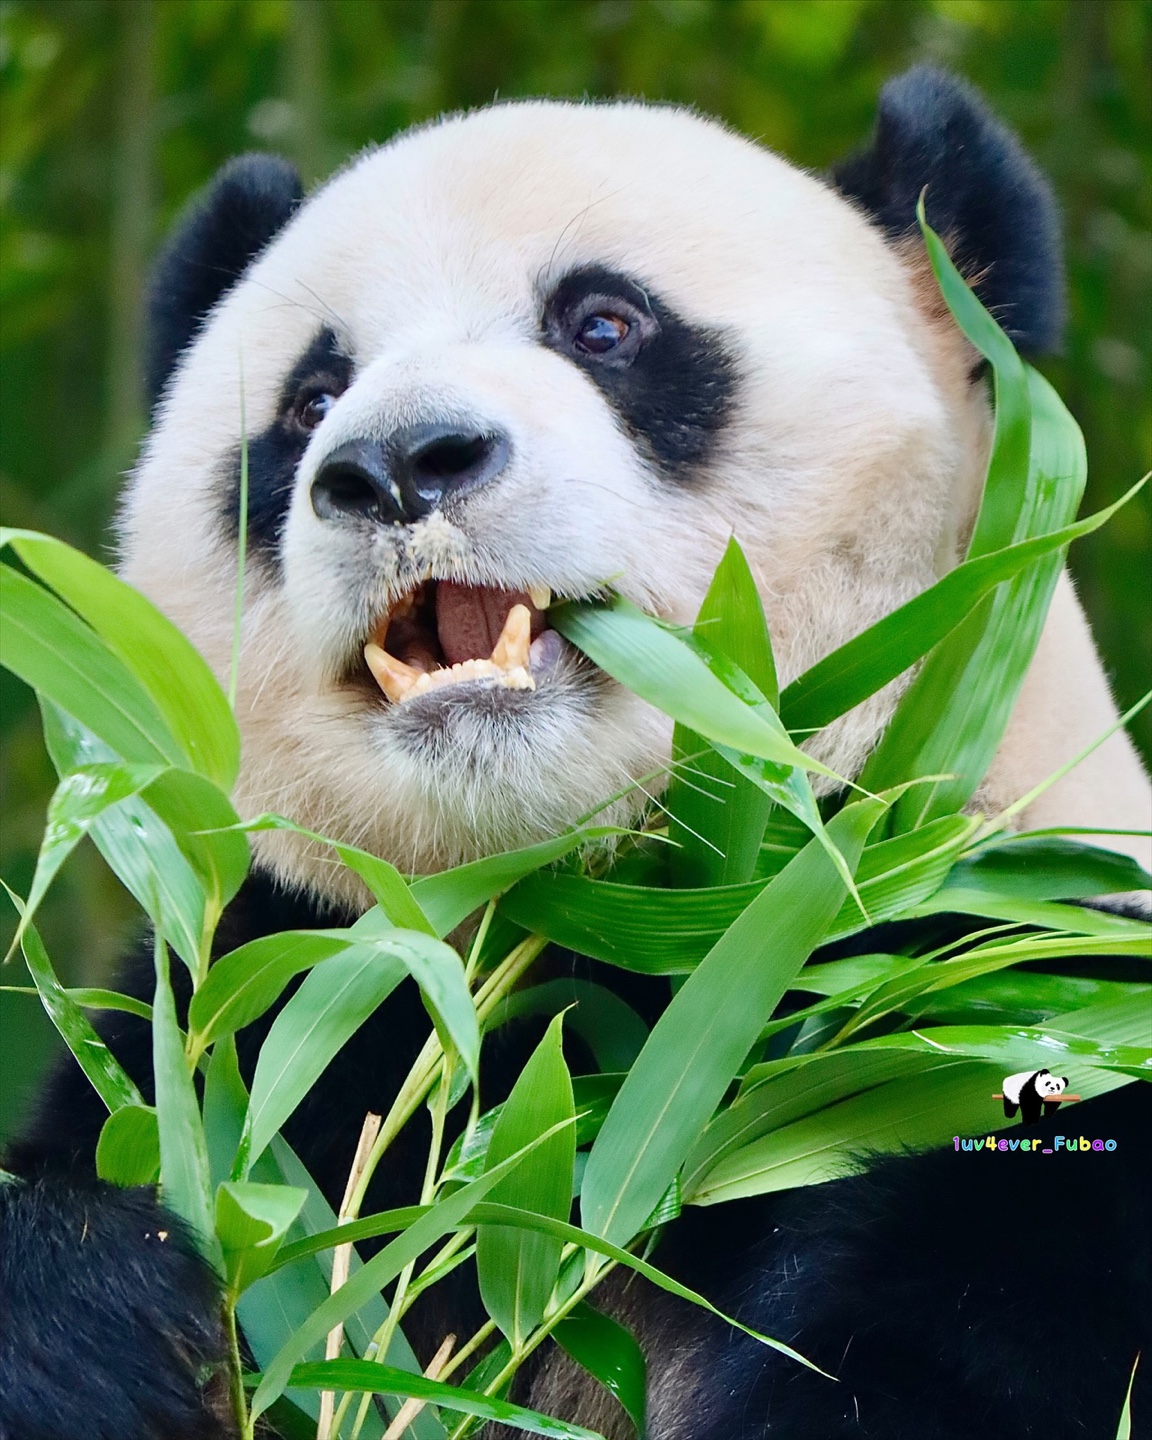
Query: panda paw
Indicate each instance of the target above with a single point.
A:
(111, 1320)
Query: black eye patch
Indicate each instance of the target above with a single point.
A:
(671, 383)
(273, 455)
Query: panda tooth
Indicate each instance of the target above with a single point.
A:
(511, 649)
(540, 595)
(394, 677)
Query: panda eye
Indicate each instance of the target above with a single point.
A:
(312, 406)
(602, 332)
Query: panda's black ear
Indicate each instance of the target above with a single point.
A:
(985, 197)
(223, 227)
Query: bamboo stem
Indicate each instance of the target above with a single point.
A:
(342, 1262)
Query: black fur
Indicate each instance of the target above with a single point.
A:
(274, 454)
(109, 1320)
(676, 395)
(223, 229)
(985, 197)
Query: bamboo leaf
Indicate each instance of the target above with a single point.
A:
(241, 985)
(517, 1271)
(717, 816)
(251, 1222)
(184, 1169)
(451, 896)
(104, 1072)
(79, 800)
(375, 1274)
(610, 1353)
(167, 665)
(662, 669)
(138, 846)
(128, 1151)
(389, 888)
(54, 652)
(699, 1042)
(888, 648)
(366, 1375)
(325, 1012)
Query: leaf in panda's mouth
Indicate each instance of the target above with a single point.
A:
(445, 633)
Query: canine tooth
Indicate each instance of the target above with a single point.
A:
(511, 650)
(394, 677)
(540, 595)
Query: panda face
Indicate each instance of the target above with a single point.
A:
(528, 353)
(1047, 1084)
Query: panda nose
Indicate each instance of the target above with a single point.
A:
(408, 476)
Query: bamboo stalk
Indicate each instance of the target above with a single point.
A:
(411, 1408)
(342, 1261)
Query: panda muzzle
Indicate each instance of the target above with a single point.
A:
(444, 633)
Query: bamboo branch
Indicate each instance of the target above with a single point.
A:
(411, 1408)
(342, 1261)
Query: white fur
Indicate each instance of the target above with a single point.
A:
(849, 472)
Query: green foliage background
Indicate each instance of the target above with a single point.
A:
(113, 111)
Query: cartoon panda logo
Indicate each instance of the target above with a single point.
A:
(1033, 1090)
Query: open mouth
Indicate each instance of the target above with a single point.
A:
(443, 633)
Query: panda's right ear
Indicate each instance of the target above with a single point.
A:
(220, 231)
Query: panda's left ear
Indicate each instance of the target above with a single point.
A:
(985, 198)
(220, 232)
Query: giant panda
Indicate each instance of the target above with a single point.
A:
(1032, 1091)
(508, 355)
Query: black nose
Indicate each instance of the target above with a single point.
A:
(409, 475)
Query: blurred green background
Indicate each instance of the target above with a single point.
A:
(113, 111)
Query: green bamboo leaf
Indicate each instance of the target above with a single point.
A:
(451, 896)
(610, 1353)
(366, 1375)
(1005, 485)
(183, 1150)
(272, 1307)
(913, 1113)
(1124, 1427)
(241, 985)
(485, 1213)
(608, 1025)
(667, 932)
(79, 800)
(128, 1151)
(54, 652)
(1018, 997)
(1046, 868)
(251, 1222)
(699, 1042)
(200, 817)
(325, 1012)
(952, 717)
(163, 660)
(885, 650)
(517, 1271)
(91, 997)
(718, 817)
(935, 975)
(660, 667)
(378, 1272)
(104, 1072)
(138, 846)
(391, 891)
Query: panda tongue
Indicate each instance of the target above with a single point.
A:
(469, 618)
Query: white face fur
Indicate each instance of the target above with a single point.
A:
(463, 271)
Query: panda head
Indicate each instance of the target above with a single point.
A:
(1047, 1084)
(537, 350)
